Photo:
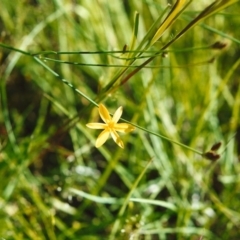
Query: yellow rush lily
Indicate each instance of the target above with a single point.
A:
(110, 126)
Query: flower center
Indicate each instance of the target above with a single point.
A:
(110, 125)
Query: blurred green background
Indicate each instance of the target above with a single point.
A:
(56, 185)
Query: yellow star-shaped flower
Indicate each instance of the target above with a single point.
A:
(110, 126)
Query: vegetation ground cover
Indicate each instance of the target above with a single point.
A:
(173, 66)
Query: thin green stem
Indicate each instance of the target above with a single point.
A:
(119, 65)
(14, 49)
(163, 137)
(65, 81)
(109, 52)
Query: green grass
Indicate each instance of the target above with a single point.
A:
(59, 60)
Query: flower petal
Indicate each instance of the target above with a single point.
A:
(117, 115)
(117, 139)
(124, 127)
(104, 113)
(96, 125)
(102, 138)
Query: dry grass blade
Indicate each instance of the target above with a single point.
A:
(171, 17)
(207, 12)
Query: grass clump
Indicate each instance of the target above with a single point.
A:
(175, 71)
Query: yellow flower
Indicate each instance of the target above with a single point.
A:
(110, 126)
